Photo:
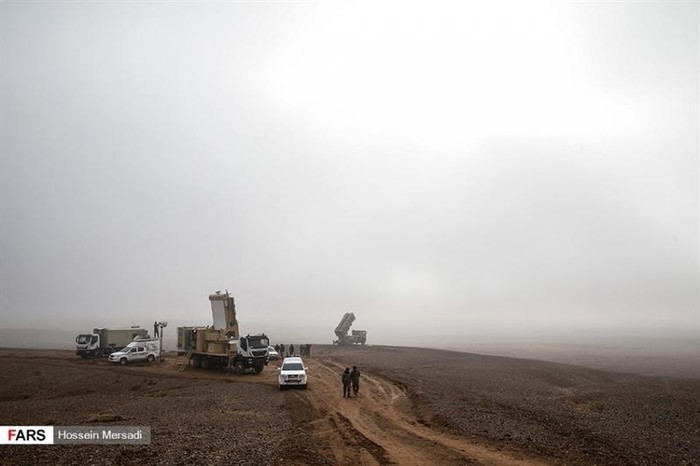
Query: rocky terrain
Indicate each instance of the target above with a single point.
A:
(416, 406)
(565, 413)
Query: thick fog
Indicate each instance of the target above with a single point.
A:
(446, 171)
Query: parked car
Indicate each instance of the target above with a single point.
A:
(292, 373)
(272, 354)
(136, 351)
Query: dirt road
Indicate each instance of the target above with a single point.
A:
(377, 426)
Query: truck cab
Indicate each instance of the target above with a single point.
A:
(252, 352)
(88, 345)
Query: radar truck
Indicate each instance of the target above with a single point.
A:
(220, 345)
(357, 337)
(105, 341)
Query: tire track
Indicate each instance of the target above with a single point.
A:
(377, 427)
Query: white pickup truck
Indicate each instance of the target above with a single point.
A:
(137, 351)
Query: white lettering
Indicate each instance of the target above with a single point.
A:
(68, 435)
(109, 435)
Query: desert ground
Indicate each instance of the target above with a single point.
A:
(416, 406)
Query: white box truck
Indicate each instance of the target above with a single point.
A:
(104, 341)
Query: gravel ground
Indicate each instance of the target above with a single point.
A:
(561, 413)
(566, 413)
(193, 421)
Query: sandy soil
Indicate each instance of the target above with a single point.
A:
(564, 413)
(415, 407)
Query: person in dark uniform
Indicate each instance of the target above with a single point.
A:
(355, 378)
(346, 378)
(291, 349)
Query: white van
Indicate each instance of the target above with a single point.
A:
(137, 350)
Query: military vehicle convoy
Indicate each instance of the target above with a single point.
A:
(105, 341)
(357, 337)
(220, 345)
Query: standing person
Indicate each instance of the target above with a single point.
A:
(291, 349)
(355, 377)
(282, 350)
(346, 378)
(308, 350)
(277, 348)
(155, 329)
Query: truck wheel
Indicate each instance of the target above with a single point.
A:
(123, 361)
(258, 369)
(239, 367)
(204, 363)
(151, 358)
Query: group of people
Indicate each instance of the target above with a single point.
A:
(351, 380)
(304, 350)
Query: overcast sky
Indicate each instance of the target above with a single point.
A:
(440, 169)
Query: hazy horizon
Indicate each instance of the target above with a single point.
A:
(649, 355)
(457, 170)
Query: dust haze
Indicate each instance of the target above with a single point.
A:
(456, 175)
